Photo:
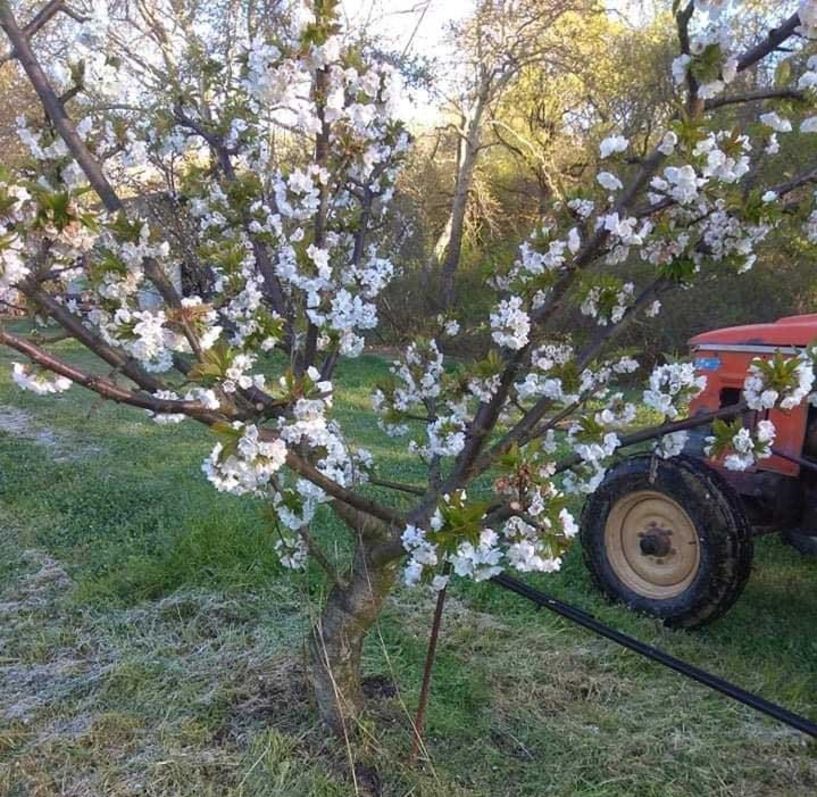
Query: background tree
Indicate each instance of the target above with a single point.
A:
(284, 150)
(498, 43)
(538, 142)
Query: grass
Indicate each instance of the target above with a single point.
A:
(150, 644)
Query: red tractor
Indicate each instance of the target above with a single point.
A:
(673, 537)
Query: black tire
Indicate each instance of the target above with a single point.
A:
(804, 542)
(711, 511)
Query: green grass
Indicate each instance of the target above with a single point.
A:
(151, 644)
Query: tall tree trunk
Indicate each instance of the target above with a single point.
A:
(456, 228)
(448, 249)
(337, 641)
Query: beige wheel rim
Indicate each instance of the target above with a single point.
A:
(652, 545)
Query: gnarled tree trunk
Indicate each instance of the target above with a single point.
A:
(337, 638)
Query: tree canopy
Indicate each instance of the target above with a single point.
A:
(270, 133)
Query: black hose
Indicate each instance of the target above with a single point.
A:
(585, 620)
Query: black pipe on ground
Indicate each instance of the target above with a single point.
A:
(800, 723)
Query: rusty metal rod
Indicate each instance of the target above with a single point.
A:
(431, 654)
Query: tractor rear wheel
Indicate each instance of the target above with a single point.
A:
(668, 538)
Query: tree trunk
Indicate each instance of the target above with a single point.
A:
(337, 641)
(448, 248)
(455, 230)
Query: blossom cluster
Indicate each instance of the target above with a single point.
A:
(40, 218)
(37, 381)
(529, 541)
(510, 324)
(778, 382)
(247, 463)
(739, 446)
(607, 303)
(709, 58)
(671, 386)
(671, 445)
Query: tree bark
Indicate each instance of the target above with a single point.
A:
(448, 248)
(337, 640)
(456, 227)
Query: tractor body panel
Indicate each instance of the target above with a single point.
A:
(724, 356)
(792, 332)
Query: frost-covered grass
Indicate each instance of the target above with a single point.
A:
(150, 644)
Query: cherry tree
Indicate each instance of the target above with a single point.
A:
(279, 142)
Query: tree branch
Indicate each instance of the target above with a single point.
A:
(653, 432)
(108, 390)
(754, 96)
(809, 176)
(411, 489)
(773, 40)
(87, 162)
(74, 326)
(40, 20)
(336, 491)
(56, 112)
(104, 387)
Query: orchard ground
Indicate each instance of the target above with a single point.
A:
(150, 644)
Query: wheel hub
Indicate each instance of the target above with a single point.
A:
(655, 541)
(652, 544)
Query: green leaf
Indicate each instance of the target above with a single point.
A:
(214, 363)
(706, 67)
(126, 230)
(228, 437)
(681, 270)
